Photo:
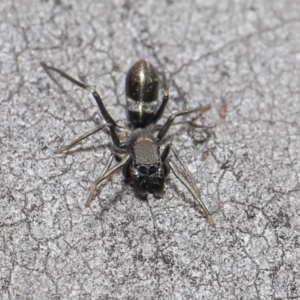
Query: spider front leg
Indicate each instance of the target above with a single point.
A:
(106, 172)
(186, 179)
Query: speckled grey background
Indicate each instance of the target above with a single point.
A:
(242, 58)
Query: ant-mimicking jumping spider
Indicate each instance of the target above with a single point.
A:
(140, 155)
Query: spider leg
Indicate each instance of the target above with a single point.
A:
(186, 179)
(105, 174)
(162, 132)
(107, 117)
(163, 105)
(79, 139)
(113, 127)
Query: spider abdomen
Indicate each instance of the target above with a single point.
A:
(141, 86)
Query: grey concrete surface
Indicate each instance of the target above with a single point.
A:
(242, 58)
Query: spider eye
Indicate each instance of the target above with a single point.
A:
(143, 170)
(152, 170)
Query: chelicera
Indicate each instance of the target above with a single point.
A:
(139, 156)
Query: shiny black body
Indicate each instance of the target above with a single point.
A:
(140, 155)
(141, 86)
